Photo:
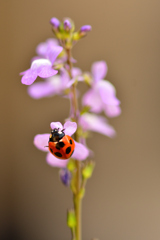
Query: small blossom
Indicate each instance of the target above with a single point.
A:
(85, 28)
(50, 87)
(102, 95)
(55, 22)
(41, 141)
(67, 24)
(93, 122)
(43, 49)
(41, 67)
(99, 70)
(53, 85)
(65, 176)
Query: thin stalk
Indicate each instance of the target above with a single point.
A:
(73, 234)
(76, 197)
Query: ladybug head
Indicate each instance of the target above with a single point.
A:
(56, 135)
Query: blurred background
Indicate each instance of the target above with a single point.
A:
(122, 200)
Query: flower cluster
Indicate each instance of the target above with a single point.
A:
(53, 64)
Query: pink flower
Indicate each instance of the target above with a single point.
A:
(55, 22)
(102, 95)
(67, 24)
(53, 85)
(93, 122)
(43, 49)
(65, 176)
(85, 29)
(42, 67)
(41, 140)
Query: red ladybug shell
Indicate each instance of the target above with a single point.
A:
(62, 149)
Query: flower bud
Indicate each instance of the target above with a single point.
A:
(84, 29)
(65, 176)
(71, 219)
(55, 23)
(67, 25)
(88, 170)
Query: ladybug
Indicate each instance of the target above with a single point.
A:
(60, 145)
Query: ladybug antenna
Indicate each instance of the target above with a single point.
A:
(63, 129)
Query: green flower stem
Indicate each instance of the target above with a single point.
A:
(77, 202)
(76, 197)
(73, 234)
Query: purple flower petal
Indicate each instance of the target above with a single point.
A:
(97, 124)
(70, 127)
(48, 88)
(47, 71)
(29, 77)
(41, 141)
(112, 111)
(64, 77)
(55, 22)
(92, 99)
(35, 58)
(38, 64)
(85, 28)
(99, 70)
(54, 52)
(56, 125)
(107, 92)
(41, 89)
(24, 72)
(55, 162)
(108, 96)
(76, 72)
(65, 176)
(40, 67)
(57, 83)
(44, 47)
(81, 152)
(70, 83)
(67, 24)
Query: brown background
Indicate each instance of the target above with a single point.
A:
(123, 197)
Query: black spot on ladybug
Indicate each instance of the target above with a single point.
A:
(57, 146)
(51, 150)
(70, 141)
(58, 154)
(68, 150)
(61, 144)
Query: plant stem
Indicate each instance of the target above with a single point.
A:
(76, 197)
